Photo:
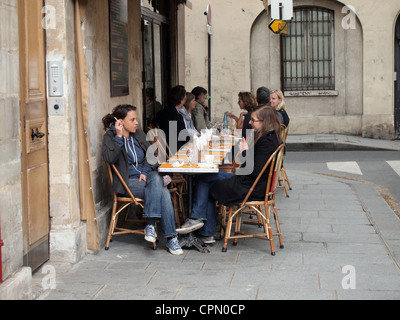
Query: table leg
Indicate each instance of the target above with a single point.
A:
(191, 241)
(190, 195)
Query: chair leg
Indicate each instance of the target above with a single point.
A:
(228, 231)
(286, 178)
(176, 210)
(283, 180)
(112, 225)
(222, 219)
(270, 234)
(175, 205)
(181, 207)
(278, 227)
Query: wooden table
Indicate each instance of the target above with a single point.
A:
(219, 147)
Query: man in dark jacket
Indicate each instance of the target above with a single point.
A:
(170, 117)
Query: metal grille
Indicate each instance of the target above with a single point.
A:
(308, 51)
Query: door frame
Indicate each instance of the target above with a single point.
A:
(397, 79)
(154, 18)
(34, 149)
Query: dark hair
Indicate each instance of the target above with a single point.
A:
(198, 91)
(270, 122)
(119, 112)
(263, 96)
(176, 95)
(249, 101)
(150, 93)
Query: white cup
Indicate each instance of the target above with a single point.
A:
(209, 158)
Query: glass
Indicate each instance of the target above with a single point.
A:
(190, 156)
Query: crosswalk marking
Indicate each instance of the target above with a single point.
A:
(395, 166)
(348, 167)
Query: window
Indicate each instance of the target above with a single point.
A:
(308, 51)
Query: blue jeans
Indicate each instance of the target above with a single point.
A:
(157, 204)
(204, 207)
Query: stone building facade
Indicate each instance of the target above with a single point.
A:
(362, 98)
(54, 193)
(54, 190)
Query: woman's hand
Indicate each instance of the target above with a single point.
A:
(143, 178)
(119, 128)
(232, 116)
(243, 145)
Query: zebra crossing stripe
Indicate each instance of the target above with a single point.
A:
(348, 167)
(395, 166)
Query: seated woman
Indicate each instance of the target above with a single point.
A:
(186, 113)
(125, 146)
(228, 188)
(278, 102)
(247, 103)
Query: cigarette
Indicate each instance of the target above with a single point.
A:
(116, 119)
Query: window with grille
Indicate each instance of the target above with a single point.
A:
(308, 51)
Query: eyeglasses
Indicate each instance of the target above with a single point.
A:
(254, 121)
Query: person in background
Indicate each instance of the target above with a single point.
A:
(247, 103)
(278, 102)
(125, 146)
(200, 114)
(170, 115)
(263, 97)
(152, 107)
(186, 113)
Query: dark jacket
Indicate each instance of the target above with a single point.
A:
(285, 117)
(167, 115)
(114, 154)
(233, 190)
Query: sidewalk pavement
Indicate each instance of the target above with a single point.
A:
(321, 142)
(342, 242)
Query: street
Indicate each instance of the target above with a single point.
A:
(381, 168)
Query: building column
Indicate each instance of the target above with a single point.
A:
(68, 233)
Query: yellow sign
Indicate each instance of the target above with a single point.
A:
(279, 27)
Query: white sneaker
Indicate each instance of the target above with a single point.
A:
(151, 235)
(190, 225)
(174, 246)
(208, 240)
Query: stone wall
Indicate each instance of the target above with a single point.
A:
(246, 54)
(10, 156)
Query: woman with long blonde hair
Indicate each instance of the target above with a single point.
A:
(278, 102)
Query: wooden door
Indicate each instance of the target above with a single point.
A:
(34, 149)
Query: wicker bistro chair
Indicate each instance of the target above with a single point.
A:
(259, 208)
(283, 177)
(122, 205)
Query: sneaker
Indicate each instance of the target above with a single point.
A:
(151, 235)
(208, 240)
(174, 246)
(190, 225)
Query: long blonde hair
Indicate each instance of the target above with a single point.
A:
(282, 104)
